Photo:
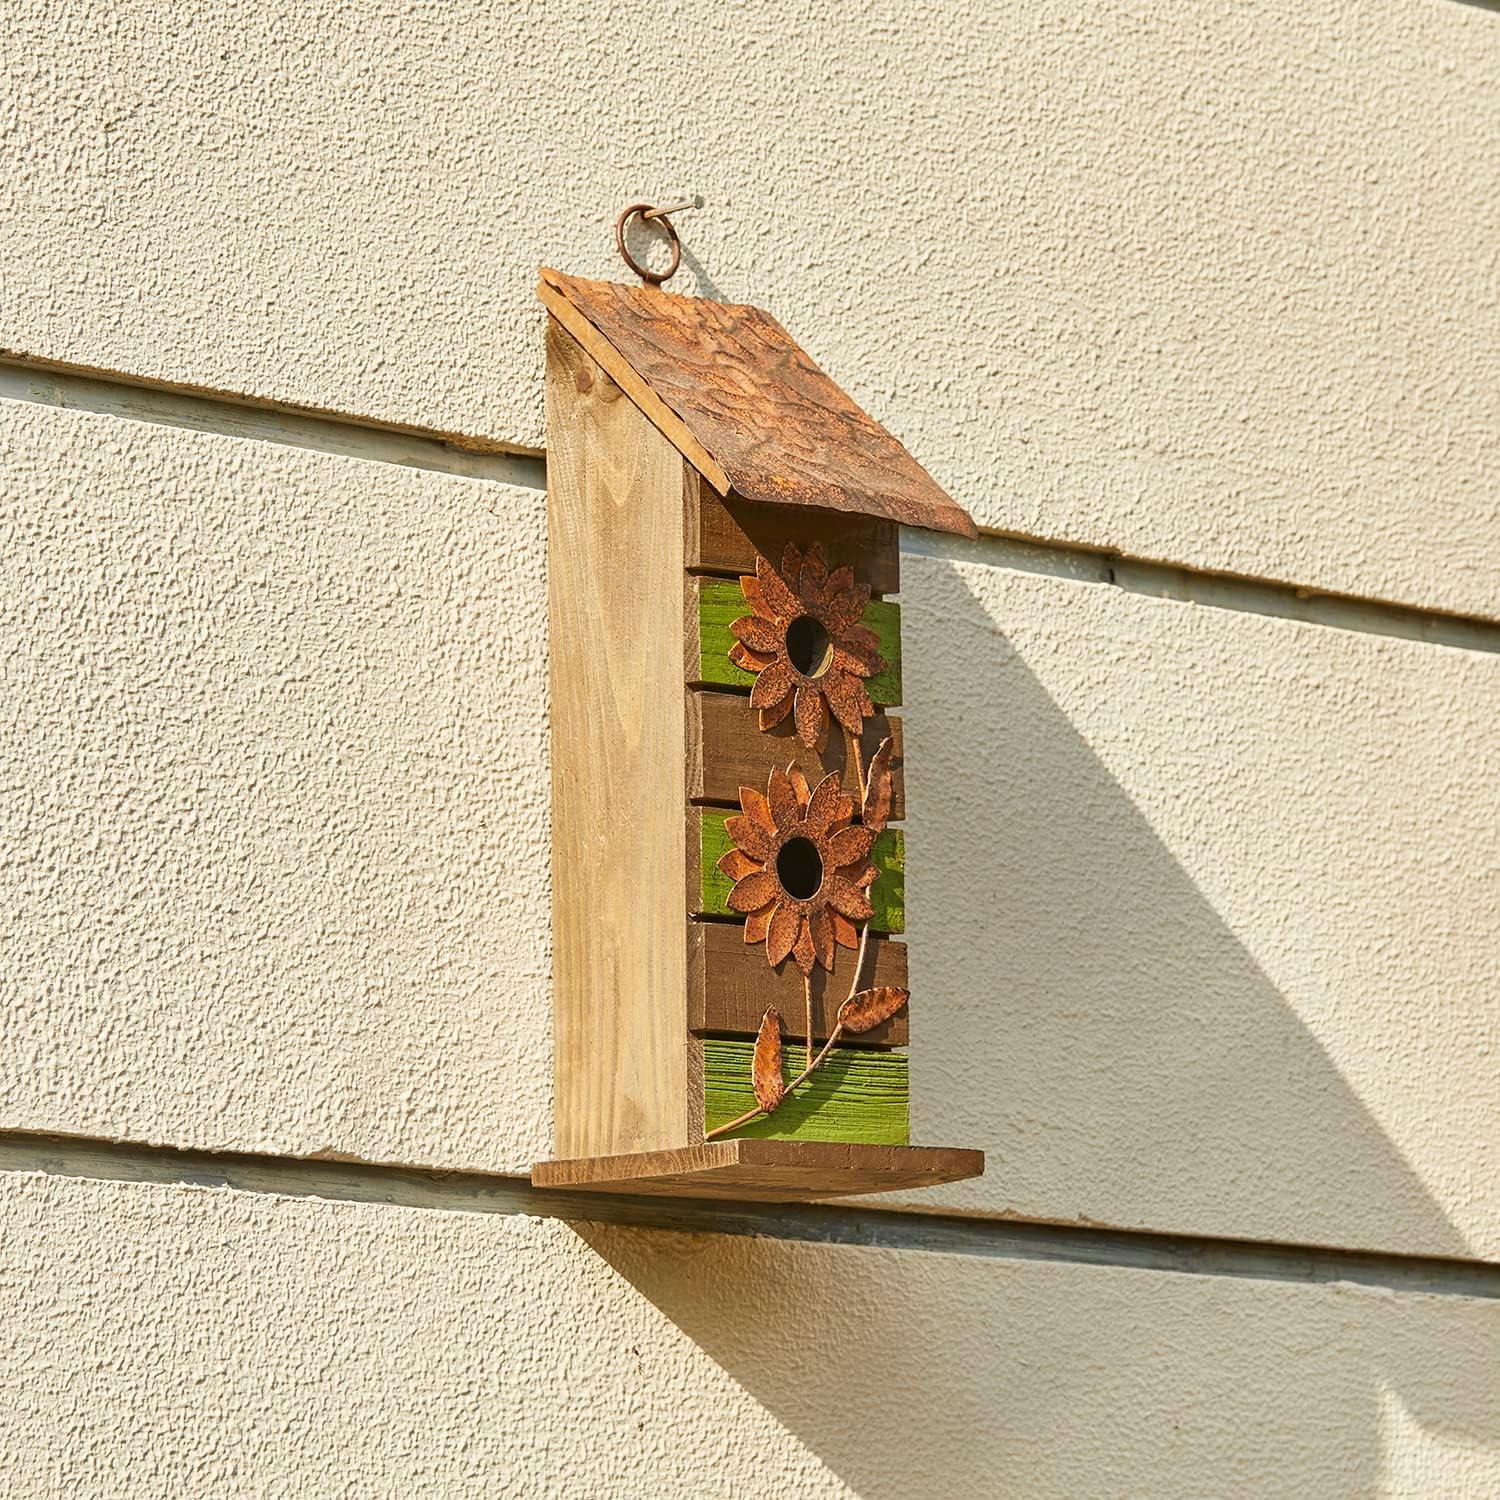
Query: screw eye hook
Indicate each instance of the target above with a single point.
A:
(647, 214)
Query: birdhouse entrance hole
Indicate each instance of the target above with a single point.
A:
(808, 646)
(799, 869)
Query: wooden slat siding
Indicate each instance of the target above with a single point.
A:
(725, 536)
(709, 887)
(765, 1171)
(730, 984)
(720, 604)
(854, 1096)
(614, 497)
(727, 750)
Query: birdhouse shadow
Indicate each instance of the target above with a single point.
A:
(1083, 1013)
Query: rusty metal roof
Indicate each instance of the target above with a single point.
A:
(777, 429)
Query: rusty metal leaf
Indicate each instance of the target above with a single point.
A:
(877, 809)
(759, 635)
(866, 1010)
(765, 1072)
(773, 684)
(849, 845)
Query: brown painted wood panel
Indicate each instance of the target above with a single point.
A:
(724, 536)
(730, 984)
(726, 750)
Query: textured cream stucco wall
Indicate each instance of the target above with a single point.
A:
(1211, 283)
(1202, 900)
(187, 1341)
(281, 848)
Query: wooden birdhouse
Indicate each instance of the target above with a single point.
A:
(729, 982)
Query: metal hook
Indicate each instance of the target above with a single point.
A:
(659, 216)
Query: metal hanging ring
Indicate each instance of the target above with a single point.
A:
(655, 278)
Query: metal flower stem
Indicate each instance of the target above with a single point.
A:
(816, 1062)
(807, 1006)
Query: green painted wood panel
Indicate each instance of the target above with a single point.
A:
(720, 604)
(887, 895)
(854, 1096)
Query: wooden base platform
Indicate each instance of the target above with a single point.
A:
(764, 1171)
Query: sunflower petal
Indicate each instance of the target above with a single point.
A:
(814, 575)
(757, 923)
(747, 660)
(845, 933)
(846, 608)
(820, 928)
(781, 936)
(811, 717)
(755, 597)
(751, 837)
(798, 778)
(823, 806)
(844, 814)
(783, 799)
(756, 808)
(778, 598)
(737, 864)
(839, 581)
(771, 717)
(803, 952)
(759, 635)
(772, 685)
(791, 566)
(845, 698)
(846, 897)
(753, 892)
(849, 845)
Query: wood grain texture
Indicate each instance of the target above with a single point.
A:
(708, 893)
(720, 604)
(783, 432)
(765, 1171)
(646, 401)
(727, 750)
(730, 984)
(725, 535)
(614, 601)
(856, 1095)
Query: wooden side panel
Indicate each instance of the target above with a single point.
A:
(727, 750)
(720, 604)
(709, 887)
(614, 601)
(730, 984)
(725, 536)
(856, 1095)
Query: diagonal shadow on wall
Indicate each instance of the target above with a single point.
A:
(1109, 1041)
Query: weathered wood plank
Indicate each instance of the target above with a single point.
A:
(726, 535)
(720, 604)
(730, 984)
(621, 1079)
(854, 1096)
(726, 750)
(709, 887)
(765, 1171)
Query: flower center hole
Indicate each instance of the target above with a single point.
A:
(808, 646)
(799, 869)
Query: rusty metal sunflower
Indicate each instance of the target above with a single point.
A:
(806, 645)
(802, 873)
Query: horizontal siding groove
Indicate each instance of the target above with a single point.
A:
(871, 1228)
(1156, 580)
(227, 416)
(223, 416)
